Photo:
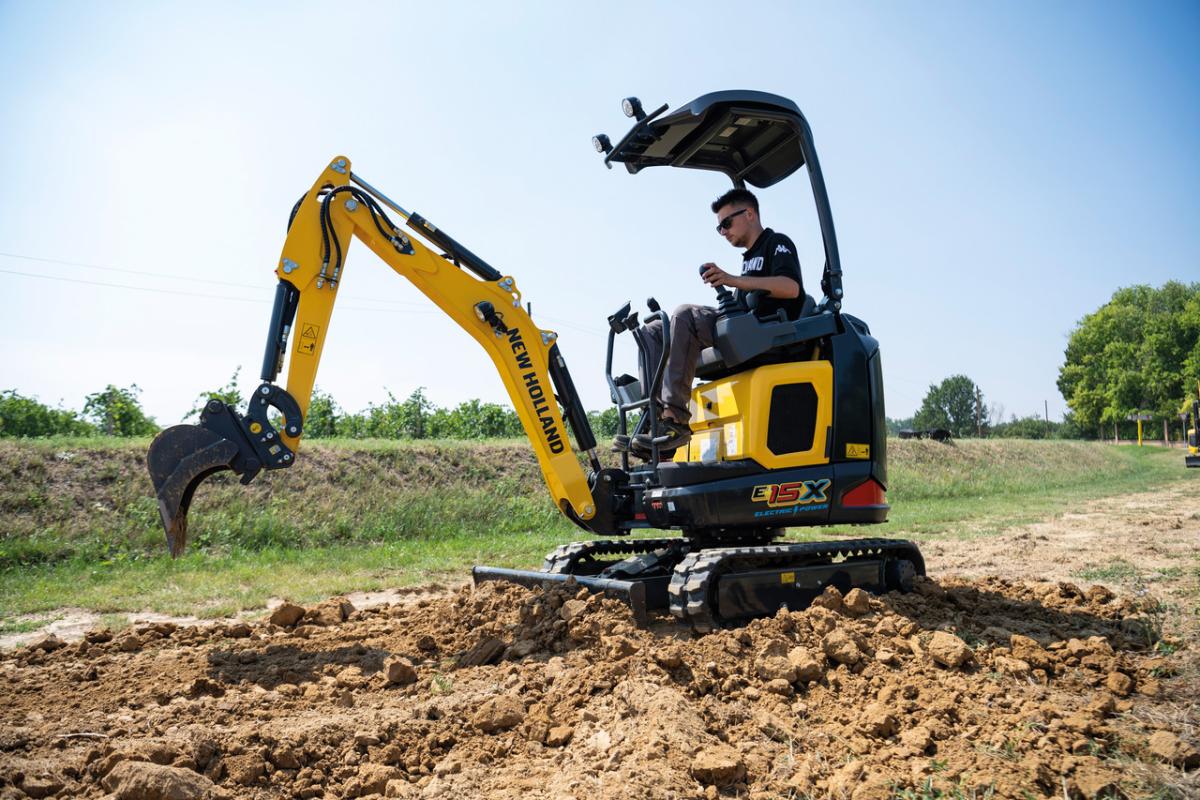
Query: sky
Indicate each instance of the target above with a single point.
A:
(995, 170)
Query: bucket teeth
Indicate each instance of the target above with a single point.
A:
(179, 460)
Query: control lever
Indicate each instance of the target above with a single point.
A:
(726, 302)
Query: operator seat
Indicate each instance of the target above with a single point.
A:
(743, 340)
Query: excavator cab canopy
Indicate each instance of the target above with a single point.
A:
(753, 138)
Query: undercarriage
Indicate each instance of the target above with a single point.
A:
(706, 587)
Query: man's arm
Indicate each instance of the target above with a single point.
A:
(777, 286)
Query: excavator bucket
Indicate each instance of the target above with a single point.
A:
(180, 458)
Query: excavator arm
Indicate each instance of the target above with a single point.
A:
(338, 208)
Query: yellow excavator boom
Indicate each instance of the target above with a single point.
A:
(338, 208)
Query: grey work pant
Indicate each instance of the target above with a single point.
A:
(692, 329)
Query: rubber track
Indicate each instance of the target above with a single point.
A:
(692, 582)
(562, 559)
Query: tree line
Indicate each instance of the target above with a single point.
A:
(1139, 353)
(958, 405)
(117, 411)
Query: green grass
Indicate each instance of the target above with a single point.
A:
(22, 625)
(976, 488)
(963, 791)
(79, 526)
(210, 584)
(1116, 570)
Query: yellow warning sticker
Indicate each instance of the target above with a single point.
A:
(858, 451)
(307, 343)
(787, 577)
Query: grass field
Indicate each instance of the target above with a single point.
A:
(79, 524)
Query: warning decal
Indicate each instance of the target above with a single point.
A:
(307, 344)
(858, 451)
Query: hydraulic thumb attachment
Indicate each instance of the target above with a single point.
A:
(183, 456)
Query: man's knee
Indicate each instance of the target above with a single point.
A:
(698, 321)
(689, 317)
(687, 311)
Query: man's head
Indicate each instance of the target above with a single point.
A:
(737, 217)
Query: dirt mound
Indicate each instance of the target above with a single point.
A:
(1021, 689)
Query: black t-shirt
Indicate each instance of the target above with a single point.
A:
(773, 255)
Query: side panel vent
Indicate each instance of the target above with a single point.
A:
(793, 419)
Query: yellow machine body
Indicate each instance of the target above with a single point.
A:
(779, 415)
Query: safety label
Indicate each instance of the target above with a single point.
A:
(307, 344)
(858, 451)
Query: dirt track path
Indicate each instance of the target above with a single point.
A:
(1156, 533)
(990, 681)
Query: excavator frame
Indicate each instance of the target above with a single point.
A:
(790, 420)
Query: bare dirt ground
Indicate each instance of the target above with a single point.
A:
(1007, 676)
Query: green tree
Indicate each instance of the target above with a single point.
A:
(394, 419)
(952, 405)
(26, 417)
(604, 423)
(323, 416)
(117, 412)
(1139, 352)
(1071, 429)
(1031, 427)
(228, 394)
(474, 419)
(414, 414)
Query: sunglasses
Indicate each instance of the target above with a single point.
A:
(727, 223)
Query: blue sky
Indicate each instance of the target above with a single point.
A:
(996, 171)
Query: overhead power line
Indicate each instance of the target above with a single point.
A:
(126, 286)
(131, 271)
(409, 306)
(263, 301)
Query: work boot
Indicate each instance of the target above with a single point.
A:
(627, 444)
(623, 443)
(677, 433)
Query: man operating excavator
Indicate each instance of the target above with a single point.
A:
(769, 265)
(789, 427)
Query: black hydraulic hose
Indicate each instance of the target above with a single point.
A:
(325, 232)
(456, 251)
(295, 210)
(327, 222)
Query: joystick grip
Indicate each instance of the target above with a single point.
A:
(726, 302)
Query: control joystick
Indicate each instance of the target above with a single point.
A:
(726, 302)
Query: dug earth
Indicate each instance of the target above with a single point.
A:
(966, 688)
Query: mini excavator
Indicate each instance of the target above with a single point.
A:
(1192, 424)
(788, 420)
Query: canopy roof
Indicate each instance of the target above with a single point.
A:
(753, 137)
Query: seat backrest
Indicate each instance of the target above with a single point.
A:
(809, 308)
